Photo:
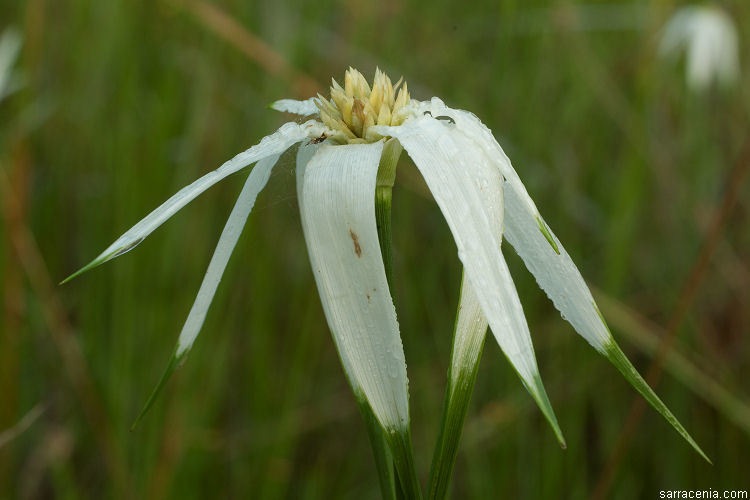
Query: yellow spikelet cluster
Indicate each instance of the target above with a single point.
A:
(353, 109)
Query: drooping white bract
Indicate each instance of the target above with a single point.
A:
(709, 39)
(336, 189)
(529, 235)
(468, 189)
(254, 184)
(481, 197)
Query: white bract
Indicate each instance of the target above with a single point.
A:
(342, 151)
(708, 38)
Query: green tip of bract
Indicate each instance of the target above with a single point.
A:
(103, 258)
(174, 363)
(615, 355)
(91, 265)
(547, 235)
(540, 396)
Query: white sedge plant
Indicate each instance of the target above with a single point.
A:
(708, 37)
(346, 160)
(10, 45)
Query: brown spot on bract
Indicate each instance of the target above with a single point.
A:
(355, 240)
(368, 297)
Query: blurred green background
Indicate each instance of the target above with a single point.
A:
(125, 102)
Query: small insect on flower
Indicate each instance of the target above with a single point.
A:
(347, 155)
(320, 139)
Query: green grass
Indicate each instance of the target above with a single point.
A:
(126, 102)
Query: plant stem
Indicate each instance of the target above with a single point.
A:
(380, 449)
(469, 334)
(400, 442)
(403, 460)
(383, 194)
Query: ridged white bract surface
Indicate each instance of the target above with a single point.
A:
(471, 325)
(302, 108)
(556, 273)
(254, 184)
(338, 217)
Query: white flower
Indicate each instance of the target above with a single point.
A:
(10, 44)
(346, 150)
(708, 37)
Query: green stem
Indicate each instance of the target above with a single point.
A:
(383, 221)
(383, 194)
(380, 449)
(469, 333)
(399, 441)
(403, 460)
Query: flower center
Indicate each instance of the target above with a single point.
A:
(353, 109)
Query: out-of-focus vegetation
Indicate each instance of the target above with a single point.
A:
(124, 102)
